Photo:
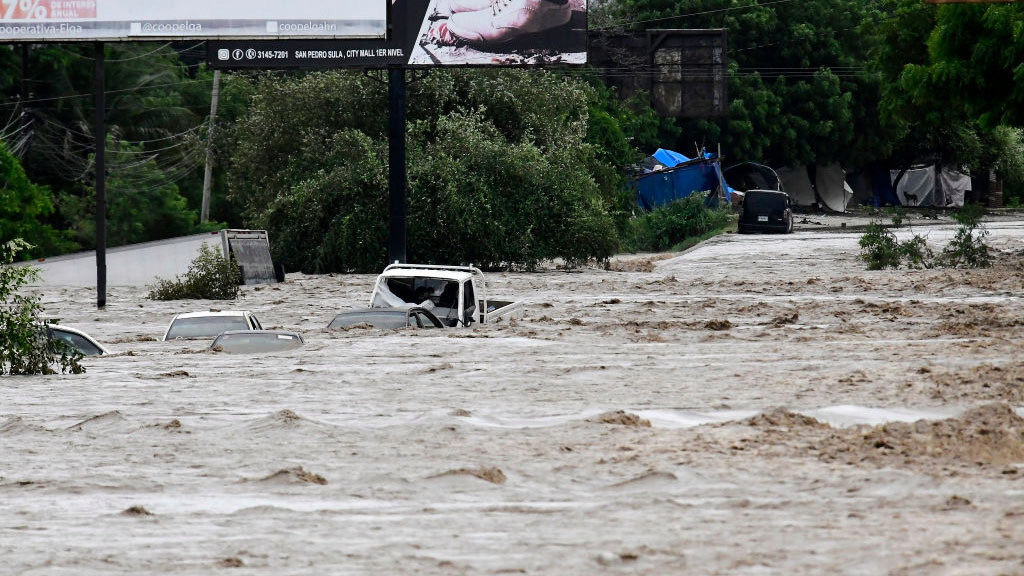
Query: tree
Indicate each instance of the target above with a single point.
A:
(24, 346)
(976, 55)
(24, 208)
(499, 171)
(799, 93)
(142, 205)
(950, 75)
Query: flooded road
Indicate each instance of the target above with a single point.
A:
(760, 405)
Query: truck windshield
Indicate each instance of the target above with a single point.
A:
(205, 326)
(438, 292)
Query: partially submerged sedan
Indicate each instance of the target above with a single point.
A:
(196, 325)
(386, 318)
(76, 339)
(256, 342)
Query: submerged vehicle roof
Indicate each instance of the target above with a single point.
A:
(456, 275)
(209, 314)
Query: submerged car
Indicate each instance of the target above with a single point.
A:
(387, 318)
(76, 339)
(256, 342)
(195, 325)
(766, 211)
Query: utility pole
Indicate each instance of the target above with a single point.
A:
(397, 181)
(204, 214)
(100, 132)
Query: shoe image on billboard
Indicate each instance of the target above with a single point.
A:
(502, 33)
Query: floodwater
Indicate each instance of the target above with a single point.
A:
(760, 405)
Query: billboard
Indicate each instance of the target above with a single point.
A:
(431, 33)
(132, 20)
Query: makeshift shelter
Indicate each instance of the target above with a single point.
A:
(818, 186)
(681, 178)
(916, 187)
(752, 176)
(954, 186)
(797, 183)
(833, 191)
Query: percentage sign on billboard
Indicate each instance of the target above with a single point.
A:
(32, 9)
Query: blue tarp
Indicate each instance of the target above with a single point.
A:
(669, 158)
(659, 188)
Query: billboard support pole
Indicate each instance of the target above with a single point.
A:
(100, 132)
(396, 165)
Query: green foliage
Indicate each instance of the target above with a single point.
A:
(879, 248)
(976, 54)
(334, 218)
(798, 93)
(967, 249)
(142, 205)
(916, 253)
(669, 225)
(24, 208)
(209, 277)
(500, 173)
(24, 347)
(951, 77)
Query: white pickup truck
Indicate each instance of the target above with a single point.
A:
(457, 295)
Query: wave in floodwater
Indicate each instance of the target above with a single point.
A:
(285, 421)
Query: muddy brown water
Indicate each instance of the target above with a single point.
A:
(806, 417)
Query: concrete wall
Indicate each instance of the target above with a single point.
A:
(135, 265)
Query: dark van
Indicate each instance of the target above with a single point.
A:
(766, 211)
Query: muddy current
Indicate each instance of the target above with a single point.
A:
(759, 405)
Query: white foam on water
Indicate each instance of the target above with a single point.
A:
(845, 415)
(688, 419)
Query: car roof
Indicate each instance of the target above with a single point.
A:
(69, 329)
(457, 275)
(395, 310)
(768, 192)
(276, 332)
(211, 314)
(102, 348)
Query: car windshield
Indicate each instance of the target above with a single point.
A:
(76, 341)
(256, 343)
(764, 202)
(205, 326)
(385, 319)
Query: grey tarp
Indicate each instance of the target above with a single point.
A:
(954, 185)
(917, 187)
(797, 183)
(833, 190)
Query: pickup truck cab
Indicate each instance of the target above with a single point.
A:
(457, 295)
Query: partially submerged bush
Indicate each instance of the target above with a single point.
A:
(24, 345)
(209, 277)
(967, 249)
(881, 249)
(669, 225)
